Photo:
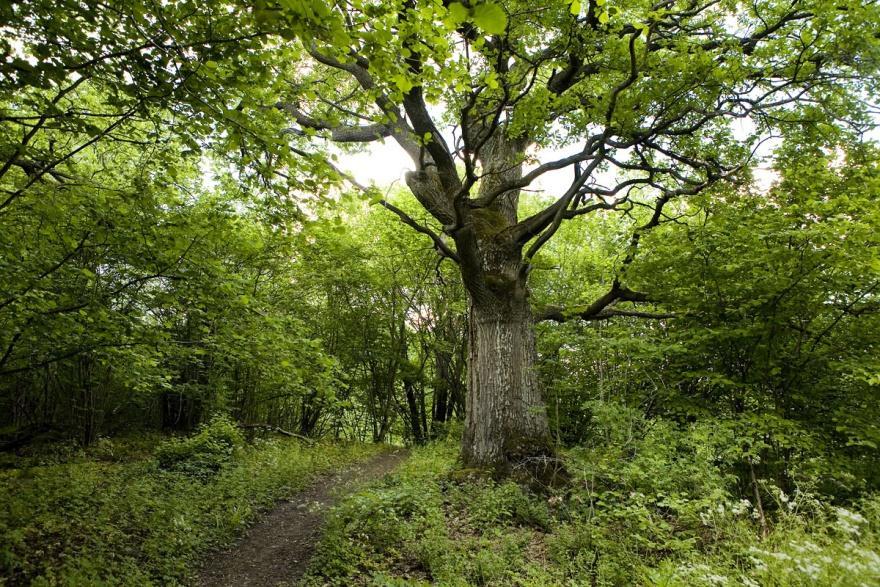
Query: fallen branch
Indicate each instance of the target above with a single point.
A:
(277, 430)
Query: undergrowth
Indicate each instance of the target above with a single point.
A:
(657, 511)
(113, 516)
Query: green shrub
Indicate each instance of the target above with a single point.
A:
(203, 454)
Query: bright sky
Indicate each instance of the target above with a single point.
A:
(384, 163)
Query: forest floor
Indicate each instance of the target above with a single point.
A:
(277, 550)
(655, 512)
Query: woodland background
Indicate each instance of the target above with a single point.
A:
(166, 310)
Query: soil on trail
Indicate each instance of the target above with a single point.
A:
(276, 551)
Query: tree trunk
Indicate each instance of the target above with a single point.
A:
(414, 416)
(309, 414)
(506, 427)
(441, 394)
(506, 422)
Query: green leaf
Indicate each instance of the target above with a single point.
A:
(403, 83)
(575, 7)
(458, 13)
(490, 17)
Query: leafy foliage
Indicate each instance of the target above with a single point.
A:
(203, 454)
(658, 510)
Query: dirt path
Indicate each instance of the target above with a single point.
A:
(277, 550)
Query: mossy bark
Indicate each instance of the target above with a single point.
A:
(506, 427)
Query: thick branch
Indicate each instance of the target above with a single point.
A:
(529, 227)
(584, 154)
(423, 124)
(358, 69)
(602, 308)
(559, 315)
(439, 243)
(444, 249)
(340, 133)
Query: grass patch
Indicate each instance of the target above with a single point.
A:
(112, 516)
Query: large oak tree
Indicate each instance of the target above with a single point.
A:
(640, 103)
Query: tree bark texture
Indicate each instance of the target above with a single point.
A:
(506, 423)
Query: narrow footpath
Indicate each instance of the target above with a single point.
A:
(277, 550)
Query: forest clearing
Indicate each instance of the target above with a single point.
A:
(440, 292)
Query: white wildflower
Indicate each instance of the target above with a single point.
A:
(851, 566)
(810, 569)
(741, 507)
(758, 563)
(849, 522)
(717, 579)
(805, 546)
(782, 556)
